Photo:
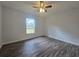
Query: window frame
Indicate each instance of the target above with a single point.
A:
(26, 25)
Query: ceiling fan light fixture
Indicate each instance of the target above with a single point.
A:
(41, 10)
(42, 6)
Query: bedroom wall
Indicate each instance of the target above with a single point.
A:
(13, 25)
(0, 25)
(64, 26)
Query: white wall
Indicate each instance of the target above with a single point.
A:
(64, 26)
(0, 27)
(13, 25)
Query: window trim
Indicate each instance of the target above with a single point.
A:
(26, 26)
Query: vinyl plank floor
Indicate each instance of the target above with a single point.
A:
(39, 47)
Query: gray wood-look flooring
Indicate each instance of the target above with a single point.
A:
(40, 47)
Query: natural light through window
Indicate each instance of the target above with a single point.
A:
(30, 25)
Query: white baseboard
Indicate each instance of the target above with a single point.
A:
(74, 43)
(9, 42)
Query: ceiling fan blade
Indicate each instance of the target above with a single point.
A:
(48, 6)
(35, 6)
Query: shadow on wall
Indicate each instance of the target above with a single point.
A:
(60, 34)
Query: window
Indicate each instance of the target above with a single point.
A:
(30, 25)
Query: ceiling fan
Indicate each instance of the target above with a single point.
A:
(42, 6)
